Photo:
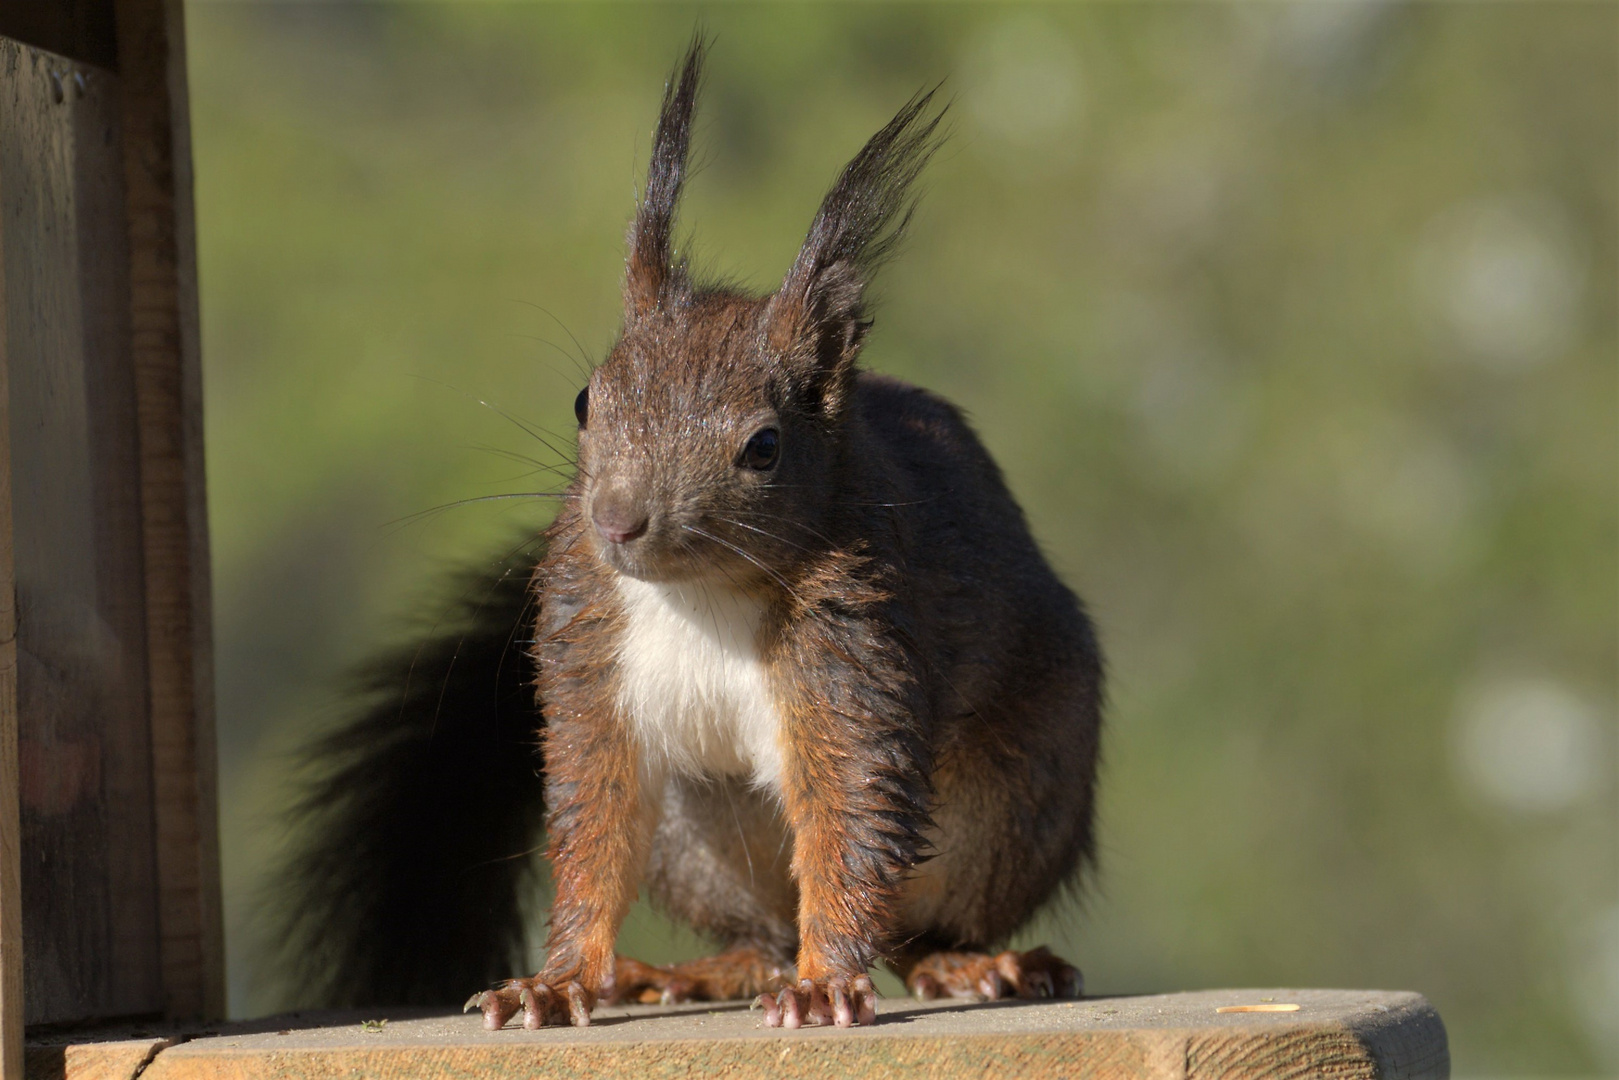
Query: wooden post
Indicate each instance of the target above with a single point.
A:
(168, 388)
(89, 893)
(109, 869)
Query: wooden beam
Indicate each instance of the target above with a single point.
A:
(168, 386)
(106, 727)
(90, 906)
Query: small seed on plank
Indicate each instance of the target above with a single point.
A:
(1256, 1008)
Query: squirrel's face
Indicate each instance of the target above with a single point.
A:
(701, 456)
(708, 437)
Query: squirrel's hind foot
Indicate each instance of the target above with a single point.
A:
(733, 975)
(1038, 973)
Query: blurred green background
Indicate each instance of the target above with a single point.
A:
(1293, 326)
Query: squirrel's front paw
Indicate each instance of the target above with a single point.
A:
(838, 1000)
(542, 1003)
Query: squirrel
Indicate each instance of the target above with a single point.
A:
(797, 667)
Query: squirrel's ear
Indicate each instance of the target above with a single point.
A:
(652, 269)
(821, 311)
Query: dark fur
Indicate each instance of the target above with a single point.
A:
(938, 688)
(651, 238)
(410, 870)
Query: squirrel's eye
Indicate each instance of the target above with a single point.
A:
(761, 451)
(581, 405)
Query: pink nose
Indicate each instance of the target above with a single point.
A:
(621, 536)
(618, 517)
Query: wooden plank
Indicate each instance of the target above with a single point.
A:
(168, 380)
(84, 741)
(1334, 1033)
(116, 1059)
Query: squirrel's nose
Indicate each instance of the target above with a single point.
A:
(619, 516)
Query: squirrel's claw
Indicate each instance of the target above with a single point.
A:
(1043, 974)
(865, 1001)
(579, 1004)
(838, 1001)
(771, 1007)
(676, 992)
(536, 1002)
(545, 1005)
(1037, 973)
(498, 1006)
(541, 1004)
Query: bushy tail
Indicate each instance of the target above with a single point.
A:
(409, 863)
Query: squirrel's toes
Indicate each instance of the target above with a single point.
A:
(839, 1001)
(1038, 973)
(541, 1004)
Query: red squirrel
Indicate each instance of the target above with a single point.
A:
(801, 672)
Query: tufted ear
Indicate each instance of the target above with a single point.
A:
(820, 316)
(652, 271)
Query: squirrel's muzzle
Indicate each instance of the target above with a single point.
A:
(619, 515)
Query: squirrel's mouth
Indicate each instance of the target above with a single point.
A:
(666, 554)
(646, 556)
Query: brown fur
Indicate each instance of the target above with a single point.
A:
(938, 687)
(735, 973)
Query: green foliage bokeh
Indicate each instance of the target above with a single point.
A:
(1293, 327)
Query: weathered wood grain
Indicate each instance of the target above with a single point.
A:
(1335, 1033)
(11, 1007)
(119, 1059)
(113, 757)
(84, 742)
(168, 381)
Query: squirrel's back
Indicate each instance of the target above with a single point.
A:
(991, 614)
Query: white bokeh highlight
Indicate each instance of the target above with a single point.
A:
(1531, 746)
(1504, 278)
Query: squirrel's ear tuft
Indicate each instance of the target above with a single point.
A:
(861, 221)
(652, 269)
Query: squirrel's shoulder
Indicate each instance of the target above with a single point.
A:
(915, 421)
(894, 405)
(885, 397)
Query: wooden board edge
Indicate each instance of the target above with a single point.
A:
(1407, 1042)
(1248, 1052)
(123, 1059)
(1125, 1055)
(1176, 1036)
(166, 354)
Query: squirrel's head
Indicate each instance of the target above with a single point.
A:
(710, 435)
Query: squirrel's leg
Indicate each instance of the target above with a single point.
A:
(977, 976)
(600, 827)
(854, 785)
(736, 974)
(719, 864)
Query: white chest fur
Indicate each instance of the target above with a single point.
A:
(691, 682)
